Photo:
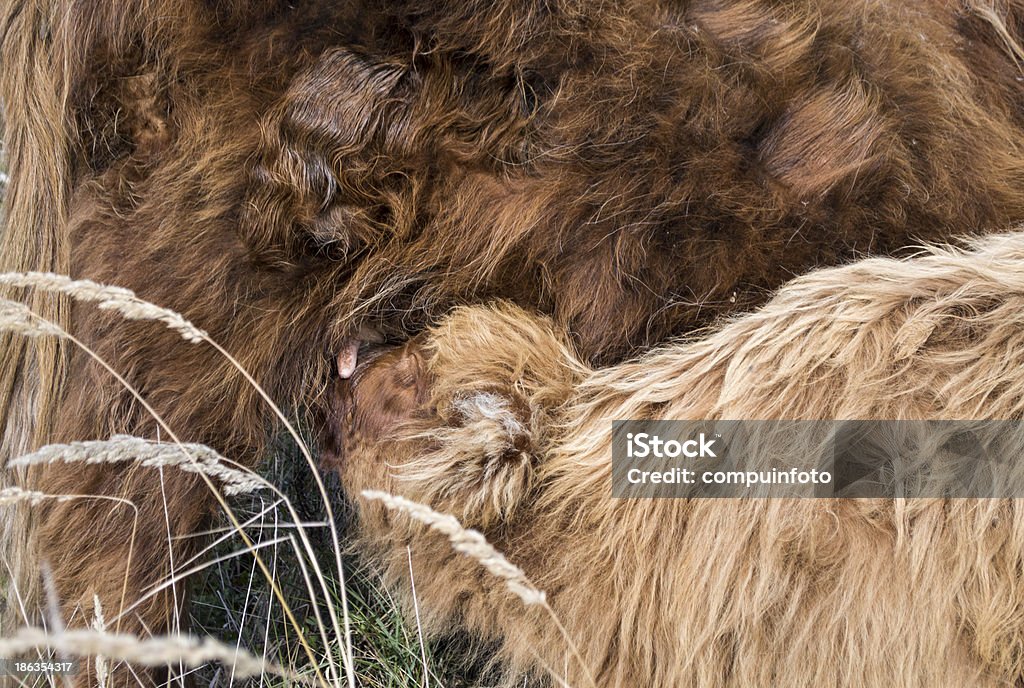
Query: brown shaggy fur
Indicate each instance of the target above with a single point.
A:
(493, 417)
(282, 173)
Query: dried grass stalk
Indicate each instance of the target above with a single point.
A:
(467, 541)
(192, 458)
(16, 495)
(99, 623)
(18, 318)
(119, 299)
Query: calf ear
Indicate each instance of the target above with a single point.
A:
(479, 461)
(498, 376)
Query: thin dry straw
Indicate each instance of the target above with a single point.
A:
(473, 544)
(467, 541)
(18, 318)
(152, 652)
(42, 326)
(16, 495)
(124, 301)
(196, 458)
(99, 624)
(133, 307)
(419, 625)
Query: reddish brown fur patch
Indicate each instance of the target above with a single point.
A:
(388, 390)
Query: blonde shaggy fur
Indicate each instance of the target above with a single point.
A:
(492, 417)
